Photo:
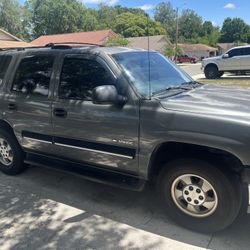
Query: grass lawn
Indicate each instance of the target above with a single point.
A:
(243, 81)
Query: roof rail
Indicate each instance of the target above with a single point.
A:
(62, 45)
(21, 48)
(76, 43)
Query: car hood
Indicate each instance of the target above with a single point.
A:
(219, 100)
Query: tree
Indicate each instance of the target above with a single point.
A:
(169, 51)
(57, 16)
(235, 30)
(13, 17)
(117, 41)
(210, 35)
(132, 25)
(190, 25)
(166, 16)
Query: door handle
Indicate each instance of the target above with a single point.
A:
(12, 106)
(59, 112)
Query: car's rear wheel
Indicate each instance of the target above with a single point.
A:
(11, 154)
(199, 195)
(211, 72)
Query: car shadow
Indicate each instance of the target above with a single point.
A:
(29, 205)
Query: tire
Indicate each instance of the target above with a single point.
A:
(218, 206)
(221, 73)
(211, 72)
(11, 154)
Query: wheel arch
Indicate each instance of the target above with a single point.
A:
(212, 64)
(168, 151)
(4, 124)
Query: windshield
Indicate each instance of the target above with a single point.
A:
(163, 74)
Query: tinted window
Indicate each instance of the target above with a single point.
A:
(247, 51)
(4, 64)
(79, 77)
(33, 75)
(235, 52)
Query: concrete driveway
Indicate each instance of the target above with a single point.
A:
(47, 209)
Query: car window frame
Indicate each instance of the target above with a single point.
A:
(84, 56)
(18, 61)
(2, 84)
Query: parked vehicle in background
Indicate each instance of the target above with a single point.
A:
(187, 59)
(98, 112)
(235, 60)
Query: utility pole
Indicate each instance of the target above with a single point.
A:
(176, 34)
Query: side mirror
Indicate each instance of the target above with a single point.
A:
(107, 94)
(225, 56)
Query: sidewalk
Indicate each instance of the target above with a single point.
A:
(47, 209)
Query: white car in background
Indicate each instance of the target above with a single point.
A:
(235, 60)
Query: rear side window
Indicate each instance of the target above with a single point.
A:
(80, 76)
(4, 64)
(33, 75)
(247, 51)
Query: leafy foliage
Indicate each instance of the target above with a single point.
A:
(166, 15)
(235, 30)
(12, 18)
(132, 25)
(170, 51)
(117, 41)
(45, 17)
(56, 16)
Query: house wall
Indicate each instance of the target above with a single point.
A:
(5, 37)
(200, 54)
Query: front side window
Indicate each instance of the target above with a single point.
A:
(4, 64)
(80, 76)
(151, 72)
(235, 52)
(33, 75)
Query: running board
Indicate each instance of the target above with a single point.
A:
(92, 173)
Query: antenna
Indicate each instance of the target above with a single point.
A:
(149, 63)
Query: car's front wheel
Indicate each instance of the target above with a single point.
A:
(199, 195)
(11, 154)
(211, 72)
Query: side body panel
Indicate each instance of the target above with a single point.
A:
(105, 135)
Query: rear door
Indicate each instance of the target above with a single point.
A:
(245, 59)
(28, 101)
(104, 135)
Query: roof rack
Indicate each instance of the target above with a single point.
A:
(21, 48)
(76, 43)
(62, 45)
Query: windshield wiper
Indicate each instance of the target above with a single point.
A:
(181, 87)
(193, 84)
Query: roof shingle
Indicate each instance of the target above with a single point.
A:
(99, 37)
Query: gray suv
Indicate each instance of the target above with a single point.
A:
(235, 60)
(126, 117)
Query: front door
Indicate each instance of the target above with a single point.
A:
(106, 135)
(233, 62)
(28, 103)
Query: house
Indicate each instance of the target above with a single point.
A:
(224, 47)
(9, 41)
(99, 37)
(157, 43)
(198, 50)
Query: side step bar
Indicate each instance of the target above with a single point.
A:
(92, 173)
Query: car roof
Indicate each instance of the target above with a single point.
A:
(73, 49)
(241, 47)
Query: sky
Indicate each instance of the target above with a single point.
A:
(211, 10)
